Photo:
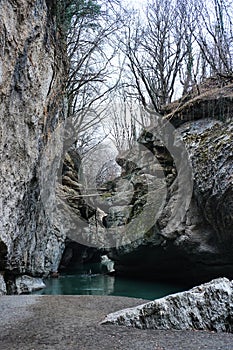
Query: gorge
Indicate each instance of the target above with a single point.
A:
(167, 217)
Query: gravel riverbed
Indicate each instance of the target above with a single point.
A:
(34, 322)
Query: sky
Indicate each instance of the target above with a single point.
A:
(136, 3)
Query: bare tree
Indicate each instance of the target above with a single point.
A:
(91, 49)
(122, 124)
(215, 36)
(126, 118)
(155, 52)
(173, 47)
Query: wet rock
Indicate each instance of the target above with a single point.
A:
(206, 307)
(107, 265)
(27, 284)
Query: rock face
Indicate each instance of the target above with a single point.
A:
(32, 115)
(198, 245)
(206, 307)
(2, 285)
(209, 144)
(169, 215)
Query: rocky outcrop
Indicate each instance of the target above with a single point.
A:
(32, 115)
(210, 99)
(209, 145)
(27, 284)
(198, 244)
(169, 215)
(206, 307)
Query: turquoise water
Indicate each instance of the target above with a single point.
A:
(83, 283)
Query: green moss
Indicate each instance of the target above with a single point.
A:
(209, 144)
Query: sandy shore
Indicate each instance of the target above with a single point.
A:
(72, 322)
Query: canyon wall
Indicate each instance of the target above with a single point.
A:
(32, 70)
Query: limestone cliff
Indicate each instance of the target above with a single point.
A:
(197, 246)
(32, 113)
(169, 215)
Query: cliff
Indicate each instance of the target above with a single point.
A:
(191, 239)
(32, 71)
(169, 215)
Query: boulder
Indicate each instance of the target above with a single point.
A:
(206, 307)
(107, 265)
(27, 284)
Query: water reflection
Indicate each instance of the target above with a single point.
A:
(83, 283)
(80, 285)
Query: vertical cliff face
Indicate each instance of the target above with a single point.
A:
(32, 113)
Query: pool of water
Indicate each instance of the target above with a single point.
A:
(88, 281)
